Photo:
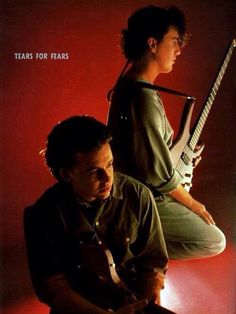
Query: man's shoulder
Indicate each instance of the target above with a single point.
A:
(45, 216)
(48, 199)
(136, 87)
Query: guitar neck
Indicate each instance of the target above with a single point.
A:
(197, 130)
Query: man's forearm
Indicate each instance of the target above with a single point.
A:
(183, 197)
(57, 294)
(70, 302)
(67, 301)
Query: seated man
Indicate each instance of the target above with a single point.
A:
(89, 213)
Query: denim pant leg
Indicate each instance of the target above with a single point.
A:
(187, 235)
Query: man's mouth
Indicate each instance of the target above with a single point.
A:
(105, 189)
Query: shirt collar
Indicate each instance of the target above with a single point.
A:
(116, 188)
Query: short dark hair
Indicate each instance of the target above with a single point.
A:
(150, 21)
(76, 134)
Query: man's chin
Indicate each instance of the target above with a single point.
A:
(168, 70)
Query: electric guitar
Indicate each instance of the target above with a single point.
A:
(185, 147)
(101, 284)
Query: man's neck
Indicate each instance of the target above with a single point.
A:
(143, 69)
(94, 203)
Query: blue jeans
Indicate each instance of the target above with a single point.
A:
(186, 234)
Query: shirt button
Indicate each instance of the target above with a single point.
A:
(127, 240)
(81, 242)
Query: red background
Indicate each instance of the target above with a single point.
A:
(36, 94)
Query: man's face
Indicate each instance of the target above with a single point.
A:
(92, 177)
(168, 50)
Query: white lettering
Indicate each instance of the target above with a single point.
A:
(23, 56)
(59, 56)
(41, 55)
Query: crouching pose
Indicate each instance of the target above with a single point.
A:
(94, 239)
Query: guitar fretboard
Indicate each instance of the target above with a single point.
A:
(205, 112)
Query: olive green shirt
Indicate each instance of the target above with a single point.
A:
(142, 136)
(58, 224)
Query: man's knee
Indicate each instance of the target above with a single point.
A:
(218, 242)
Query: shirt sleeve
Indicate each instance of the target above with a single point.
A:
(149, 249)
(44, 246)
(152, 137)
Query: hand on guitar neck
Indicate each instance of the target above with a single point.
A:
(198, 158)
(188, 174)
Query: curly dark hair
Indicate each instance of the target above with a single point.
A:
(76, 134)
(150, 21)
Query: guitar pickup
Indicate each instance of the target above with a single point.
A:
(185, 158)
(188, 175)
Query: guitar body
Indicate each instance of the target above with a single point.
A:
(183, 135)
(182, 154)
(100, 283)
(96, 278)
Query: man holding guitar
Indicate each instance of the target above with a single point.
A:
(91, 214)
(142, 135)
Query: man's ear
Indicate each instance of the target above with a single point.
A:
(65, 174)
(152, 44)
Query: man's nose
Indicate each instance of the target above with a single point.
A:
(178, 50)
(105, 175)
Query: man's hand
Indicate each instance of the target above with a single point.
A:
(199, 147)
(196, 161)
(201, 211)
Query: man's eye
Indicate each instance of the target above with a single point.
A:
(92, 172)
(110, 164)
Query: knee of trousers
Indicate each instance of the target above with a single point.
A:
(217, 241)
